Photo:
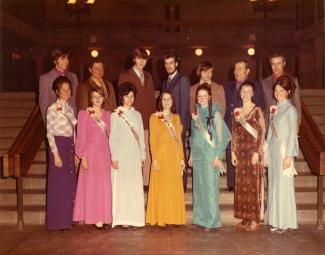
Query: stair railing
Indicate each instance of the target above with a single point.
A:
(17, 161)
(312, 146)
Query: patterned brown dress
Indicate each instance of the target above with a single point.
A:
(250, 182)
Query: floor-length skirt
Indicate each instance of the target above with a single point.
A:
(282, 211)
(206, 212)
(61, 186)
(94, 190)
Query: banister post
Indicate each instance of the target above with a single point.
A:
(320, 204)
(20, 193)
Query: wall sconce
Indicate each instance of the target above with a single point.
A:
(198, 52)
(251, 51)
(148, 52)
(78, 7)
(94, 53)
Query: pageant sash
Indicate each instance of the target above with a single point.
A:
(130, 125)
(248, 127)
(101, 124)
(169, 125)
(204, 132)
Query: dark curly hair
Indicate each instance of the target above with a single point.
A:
(58, 82)
(124, 89)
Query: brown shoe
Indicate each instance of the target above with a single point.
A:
(253, 227)
(242, 225)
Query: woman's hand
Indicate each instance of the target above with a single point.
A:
(190, 162)
(76, 160)
(216, 163)
(183, 166)
(155, 165)
(115, 164)
(255, 158)
(84, 163)
(57, 160)
(287, 162)
(234, 161)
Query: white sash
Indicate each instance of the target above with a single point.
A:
(120, 114)
(204, 132)
(168, 124)
(248, 127)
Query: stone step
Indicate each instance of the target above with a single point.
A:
(309, 101)
(17, 104)
(9, 132)
(312, 93)
(319, 119)
(35, 215)
(16, 112)
(17, 95)
(12, 122)
(316, 110)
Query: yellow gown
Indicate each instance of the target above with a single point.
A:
(166, 196)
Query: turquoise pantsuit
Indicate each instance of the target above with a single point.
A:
(205, 178)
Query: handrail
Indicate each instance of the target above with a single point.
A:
(311, 142)
(312, 146)
(17, 161)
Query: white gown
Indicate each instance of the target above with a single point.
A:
(128, 196)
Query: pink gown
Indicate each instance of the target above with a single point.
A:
(93, 201)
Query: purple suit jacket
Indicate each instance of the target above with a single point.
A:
(47, 95)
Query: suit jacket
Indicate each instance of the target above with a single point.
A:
(218, 96)
(179, 88)
(270, 100)
(145, 98)
(47, 96)
(82, 95)
(233, 99)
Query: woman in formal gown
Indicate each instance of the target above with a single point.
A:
(248, 134)
(282, 140)
(128, 156)
(61, 175)
(209, 139)
(94, 190)
(166, 195)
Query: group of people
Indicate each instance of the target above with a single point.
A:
(116, 149)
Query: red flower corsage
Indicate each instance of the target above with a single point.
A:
(59, 108)
(90, 111)
(119, 113)
(237, 113)
(273, 109)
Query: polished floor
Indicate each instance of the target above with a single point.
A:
(153, 240)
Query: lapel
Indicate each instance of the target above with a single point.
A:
(136, 79)
(173, 83)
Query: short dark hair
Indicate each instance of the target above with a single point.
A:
(285, 82)
(95, 60)
(58, 82)
(58, 53)
(99, 91)
(277, 55)
(140, 53)
(247, 65)
(160, 106)
(249, 83)
(204, 86)
(203, 66)
(171, 54)
(124, 89)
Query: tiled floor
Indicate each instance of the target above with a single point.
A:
(152, 240)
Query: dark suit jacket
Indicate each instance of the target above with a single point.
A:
(270, 100)
(82, 95)
(145, 98)
(179, 87)
(47, 96)
(233, 99)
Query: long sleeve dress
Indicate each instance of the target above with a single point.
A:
(206, 211)
(94, 190)
(282, 141)
(61, 181)
(250, 186)
(128, 196)
(166, 195)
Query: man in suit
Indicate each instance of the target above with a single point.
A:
(204, 72)
(145, 98)
(46, 95)
(241, 71)
(96, 69)
(277, 62)
(178, 86)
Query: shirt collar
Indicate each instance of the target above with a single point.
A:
(59, 72)
(137, 71)
(171, 76)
